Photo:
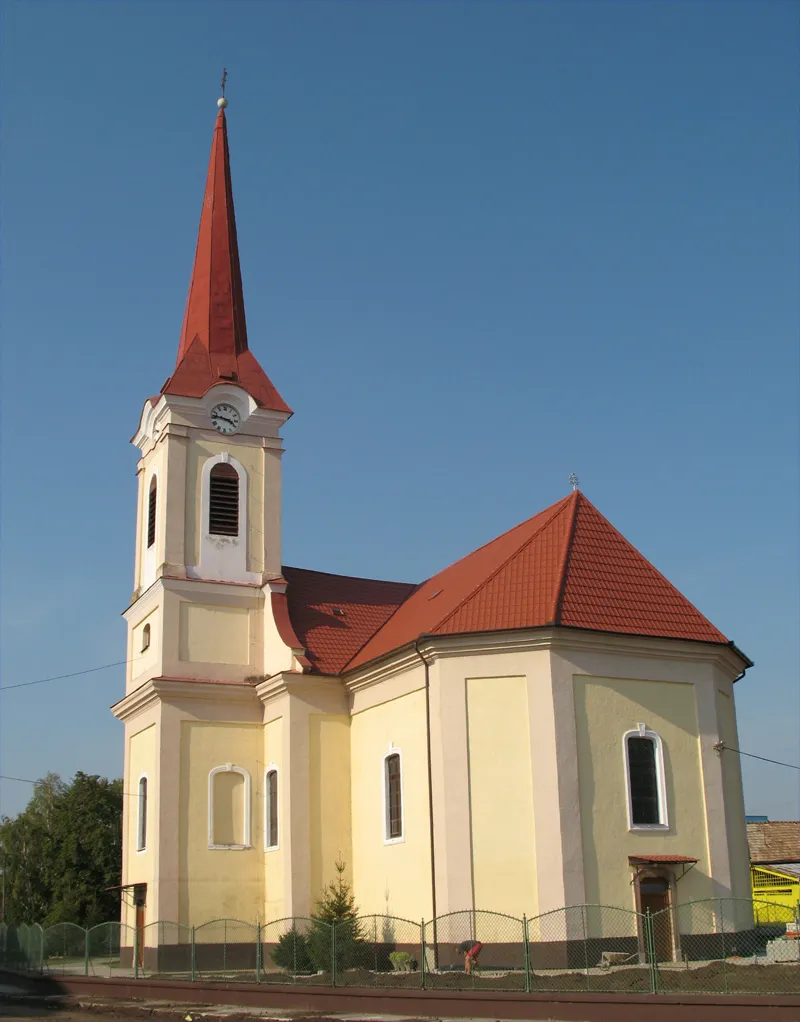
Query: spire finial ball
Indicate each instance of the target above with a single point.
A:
(222, 102)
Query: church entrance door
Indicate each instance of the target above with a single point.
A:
(654, 897)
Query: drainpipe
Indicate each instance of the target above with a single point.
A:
(430, 797)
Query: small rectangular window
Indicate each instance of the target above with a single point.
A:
(394, 808)
(643, 780)
(272, 809)
(141, 837)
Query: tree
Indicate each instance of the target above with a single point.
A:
(63, 851)
(336, 910)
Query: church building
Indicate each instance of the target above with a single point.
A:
(536, 726)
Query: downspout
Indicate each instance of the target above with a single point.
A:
(430, 797)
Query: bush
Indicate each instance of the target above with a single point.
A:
(291, 953)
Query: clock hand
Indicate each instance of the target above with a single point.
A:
(224, 418)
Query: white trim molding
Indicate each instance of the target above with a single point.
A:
(642, 731)
(223, 558)
(387, 840)
(267, 814)
(229, 768)
(141, 813)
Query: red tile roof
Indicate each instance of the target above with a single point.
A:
(213, 345)
(644, 859)
(330, 638)
(566, 566)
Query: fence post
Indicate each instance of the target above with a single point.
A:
(422, 953)
(192, 952)
(333, 954)
(527, 950)
(258, 953)
(86, 952)
(650, 950)
(724, 949)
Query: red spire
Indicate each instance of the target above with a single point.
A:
(213, 346)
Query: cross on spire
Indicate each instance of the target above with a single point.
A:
(224, 79)
(574, 481)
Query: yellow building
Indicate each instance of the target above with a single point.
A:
(536, 726)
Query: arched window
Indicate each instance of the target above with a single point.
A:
(145, 638)
(644, 764)
(151, 512)
(141, 829)
(223, 501)
(229, 807)
(393, 796)
(271, 808)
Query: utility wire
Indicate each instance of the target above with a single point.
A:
(61, 677)
(27, 780)
(729, 748)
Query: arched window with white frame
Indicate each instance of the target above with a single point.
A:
(271, 807)
(393, 796)
(141, 818)
(229, 807)
(645, 779)
(223, 522)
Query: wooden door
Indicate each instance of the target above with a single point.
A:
(654, 895)
(140, 934)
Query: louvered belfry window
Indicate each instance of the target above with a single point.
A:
(151, 514)
(223, 504)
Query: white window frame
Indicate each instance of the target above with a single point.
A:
(393, 751)
(229, 768)
(223, 558)
(141, 817)
(147, 633)
(149, 552)
(267, 846)
(642, 731)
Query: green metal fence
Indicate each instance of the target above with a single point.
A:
(712, 946)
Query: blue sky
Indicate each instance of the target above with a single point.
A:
(484, 245)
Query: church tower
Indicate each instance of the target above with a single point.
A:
(208, 589)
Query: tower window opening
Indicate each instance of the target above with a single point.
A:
(145, 638)
(223, 504)
(151, 513)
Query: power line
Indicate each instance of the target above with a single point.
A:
(61, 677)
(729, 748)
(27, 780)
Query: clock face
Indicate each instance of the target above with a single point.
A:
(224, 418)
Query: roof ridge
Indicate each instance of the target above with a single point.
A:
(650, 564)
(563, 569)
(356, 578)
(556, 511)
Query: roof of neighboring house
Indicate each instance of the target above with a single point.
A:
(567, 566)
(774, 842)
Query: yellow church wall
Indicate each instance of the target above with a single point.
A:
(214, 635)
(605, 708)
(501, 795)
(144, 663)
(736, 825)
(274, 858)
(329, 797)
(140, 865)
(251, 458)
(217, 883)
(391, 877)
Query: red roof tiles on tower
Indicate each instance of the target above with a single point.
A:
(213, 346)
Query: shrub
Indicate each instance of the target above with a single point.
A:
(291, 953)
